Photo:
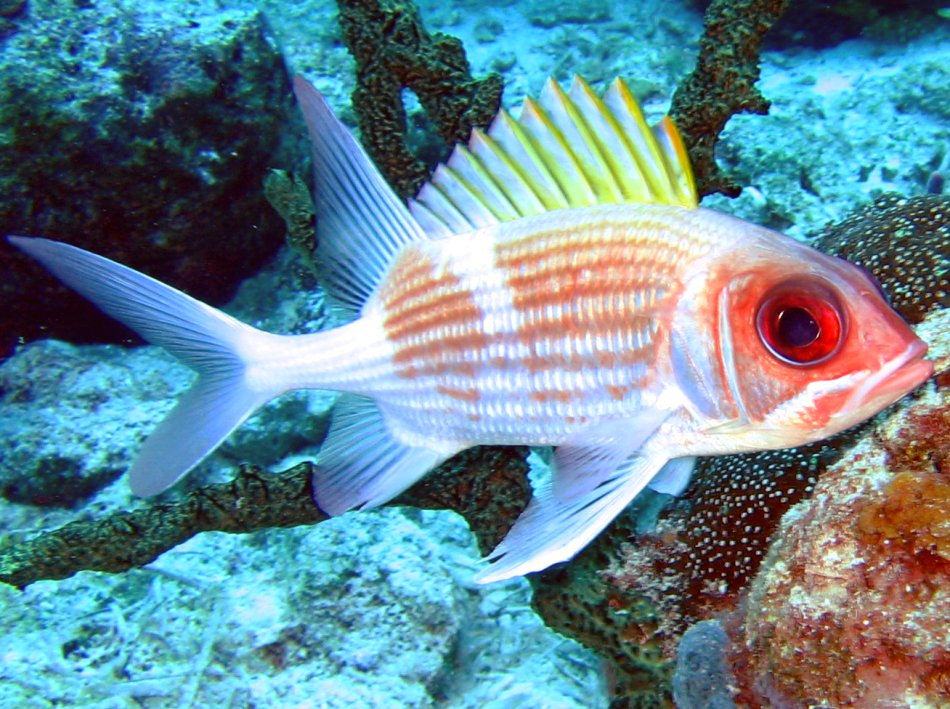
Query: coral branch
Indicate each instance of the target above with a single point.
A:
(128, 539)
(393, 51)
(486, 485)
(723, 83)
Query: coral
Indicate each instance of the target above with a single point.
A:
(393, 51)
(626, 626)
(290, 197)
(485, 485)
(913, 514)
(723, 83)
(905, 243)
(725, 521)
(128, 539)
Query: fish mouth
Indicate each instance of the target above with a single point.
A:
(898, 377)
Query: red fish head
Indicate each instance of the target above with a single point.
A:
(807, 345)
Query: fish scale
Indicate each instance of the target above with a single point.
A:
(555, 283)
(579, 303)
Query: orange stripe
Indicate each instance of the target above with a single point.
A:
(618, 392)
(579, 285)
(439, 310)
(470, 395)
(440, 350)
(543, 397)
(434, 323)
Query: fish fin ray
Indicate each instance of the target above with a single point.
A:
(567, 149)
(361, 223)
(578, 123)
(606, 132)
(676, 157)
(555, 149)
(550, 531)
(647, 152)
(674, 477)
(362, 464)
(590, 456)
(213, 343)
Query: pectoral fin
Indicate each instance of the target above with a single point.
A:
(674, 477)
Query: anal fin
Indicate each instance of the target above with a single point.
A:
(551, 530)
(362, 464)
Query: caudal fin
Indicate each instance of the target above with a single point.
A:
(217, 346)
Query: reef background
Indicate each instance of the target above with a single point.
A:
(376, 608)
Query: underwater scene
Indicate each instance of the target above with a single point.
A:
(545, 353)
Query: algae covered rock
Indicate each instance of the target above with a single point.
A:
(141, 132)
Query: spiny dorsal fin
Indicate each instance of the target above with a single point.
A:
(566, 150)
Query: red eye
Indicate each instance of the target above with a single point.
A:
(801, 322)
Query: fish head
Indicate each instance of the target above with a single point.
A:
(805, 346)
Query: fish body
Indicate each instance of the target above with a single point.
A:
(555, 284)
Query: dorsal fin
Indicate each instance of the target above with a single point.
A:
(361, 222)
(566, 150)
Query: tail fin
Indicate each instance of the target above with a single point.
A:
(219, 347)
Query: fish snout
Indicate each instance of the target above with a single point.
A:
(896, 378)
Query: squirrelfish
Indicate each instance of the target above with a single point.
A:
(554, 284)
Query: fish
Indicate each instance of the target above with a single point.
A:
(555, 283)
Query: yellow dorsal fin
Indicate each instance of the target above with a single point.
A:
(565, 150)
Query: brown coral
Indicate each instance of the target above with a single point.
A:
(913, 515)
(393, 51)
(905, 243)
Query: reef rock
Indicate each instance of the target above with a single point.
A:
(140, 134)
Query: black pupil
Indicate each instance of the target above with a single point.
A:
(797, 328)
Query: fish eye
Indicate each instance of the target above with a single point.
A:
(801, 322)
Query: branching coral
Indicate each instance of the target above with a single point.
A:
(723, 83)
(486, 485)
(393, 51)
(290, 197)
